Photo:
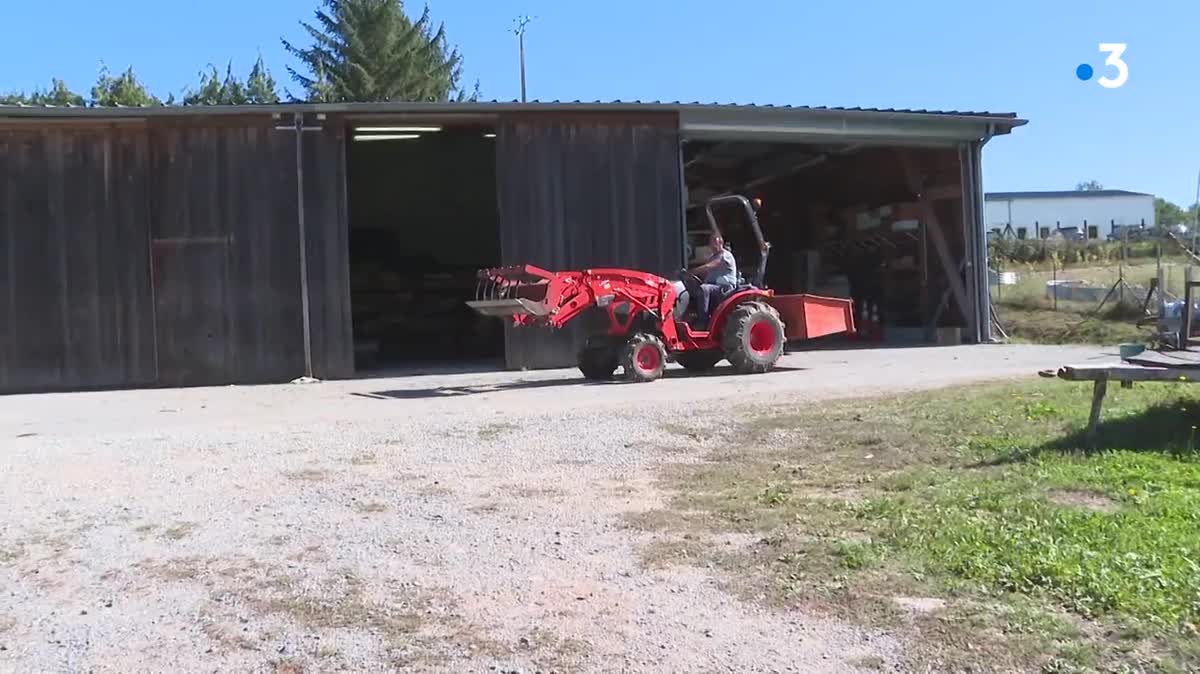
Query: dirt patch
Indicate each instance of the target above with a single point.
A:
(1088, 500)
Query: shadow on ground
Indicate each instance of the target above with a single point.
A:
(1168, 428)
(563, 382)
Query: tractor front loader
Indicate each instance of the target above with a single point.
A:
(649, 317)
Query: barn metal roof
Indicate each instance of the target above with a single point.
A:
(476, 106)
(1060, 194)
(723, 121)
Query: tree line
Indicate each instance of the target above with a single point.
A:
(358, 50)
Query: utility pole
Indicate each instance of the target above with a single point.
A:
(519, 31)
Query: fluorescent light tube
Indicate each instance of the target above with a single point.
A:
(408, 136)
(399, 129)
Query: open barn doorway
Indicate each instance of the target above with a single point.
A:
(422, 221)
(882, 225)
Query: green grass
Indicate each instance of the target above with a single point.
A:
(1038, 324)
(1048, 556)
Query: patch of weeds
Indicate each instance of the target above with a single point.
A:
(145, 529)
(667, 552)
(856, 555)
(551, 651)
(491, 432)
(180, 530)
(872, 662)
(371, 507)
(362, 459)
(327, 652)
(487, 507)
(538, 492)
(11, 553)
(774, 495)
(277, 540)
(308, 475)
(227, 636)
(288, 666)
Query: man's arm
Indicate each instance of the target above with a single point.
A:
(711, 262)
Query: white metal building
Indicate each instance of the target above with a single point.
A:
(1096, 213)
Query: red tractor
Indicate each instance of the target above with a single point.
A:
(651, 320)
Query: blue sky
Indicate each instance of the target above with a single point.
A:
(1015, 56)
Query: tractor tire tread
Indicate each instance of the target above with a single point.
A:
(597, 362)
(735, 338)
(628, 358)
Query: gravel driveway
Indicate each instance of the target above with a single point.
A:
(469, 522)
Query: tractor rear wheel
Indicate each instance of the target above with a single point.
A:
(643, 358)
(597, 361)
(699, 361)
(753, 337)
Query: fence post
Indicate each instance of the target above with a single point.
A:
(1054, 269)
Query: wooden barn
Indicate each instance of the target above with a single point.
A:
(184, 246)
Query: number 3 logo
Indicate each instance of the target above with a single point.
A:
(1115, 50)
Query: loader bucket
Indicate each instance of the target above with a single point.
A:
(512, 292)
(504, 308)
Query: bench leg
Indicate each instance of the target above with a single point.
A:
(1098, 391)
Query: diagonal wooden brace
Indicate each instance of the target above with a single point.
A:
(933, 226)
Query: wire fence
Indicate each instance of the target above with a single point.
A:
(1059, 285)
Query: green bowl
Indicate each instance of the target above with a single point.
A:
(1131, 350)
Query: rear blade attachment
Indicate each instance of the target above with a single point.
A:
(511, 292)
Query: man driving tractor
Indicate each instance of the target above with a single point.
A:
(716, 276)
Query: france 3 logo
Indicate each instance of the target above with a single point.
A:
(1114, 50)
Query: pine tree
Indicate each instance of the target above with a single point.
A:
(229, 90)
(123, 90)
(260, 86)
(369, 50)
(58, 94)
(209, 92)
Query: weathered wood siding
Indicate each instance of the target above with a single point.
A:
(76, 307)
(577, 192)
(167, 254)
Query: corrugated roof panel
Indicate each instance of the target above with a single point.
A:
(536, 103)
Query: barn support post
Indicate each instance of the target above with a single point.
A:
(298, 128)
(975, 231)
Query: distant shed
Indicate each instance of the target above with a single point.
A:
(162, 246)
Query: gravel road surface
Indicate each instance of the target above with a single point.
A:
(453, 522)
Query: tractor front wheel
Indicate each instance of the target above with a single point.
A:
(597, 361)
(753, 337)
(643, 358)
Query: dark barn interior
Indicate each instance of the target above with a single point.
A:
(845, 221)
(422, 221)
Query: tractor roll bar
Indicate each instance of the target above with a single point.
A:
(763, 247)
